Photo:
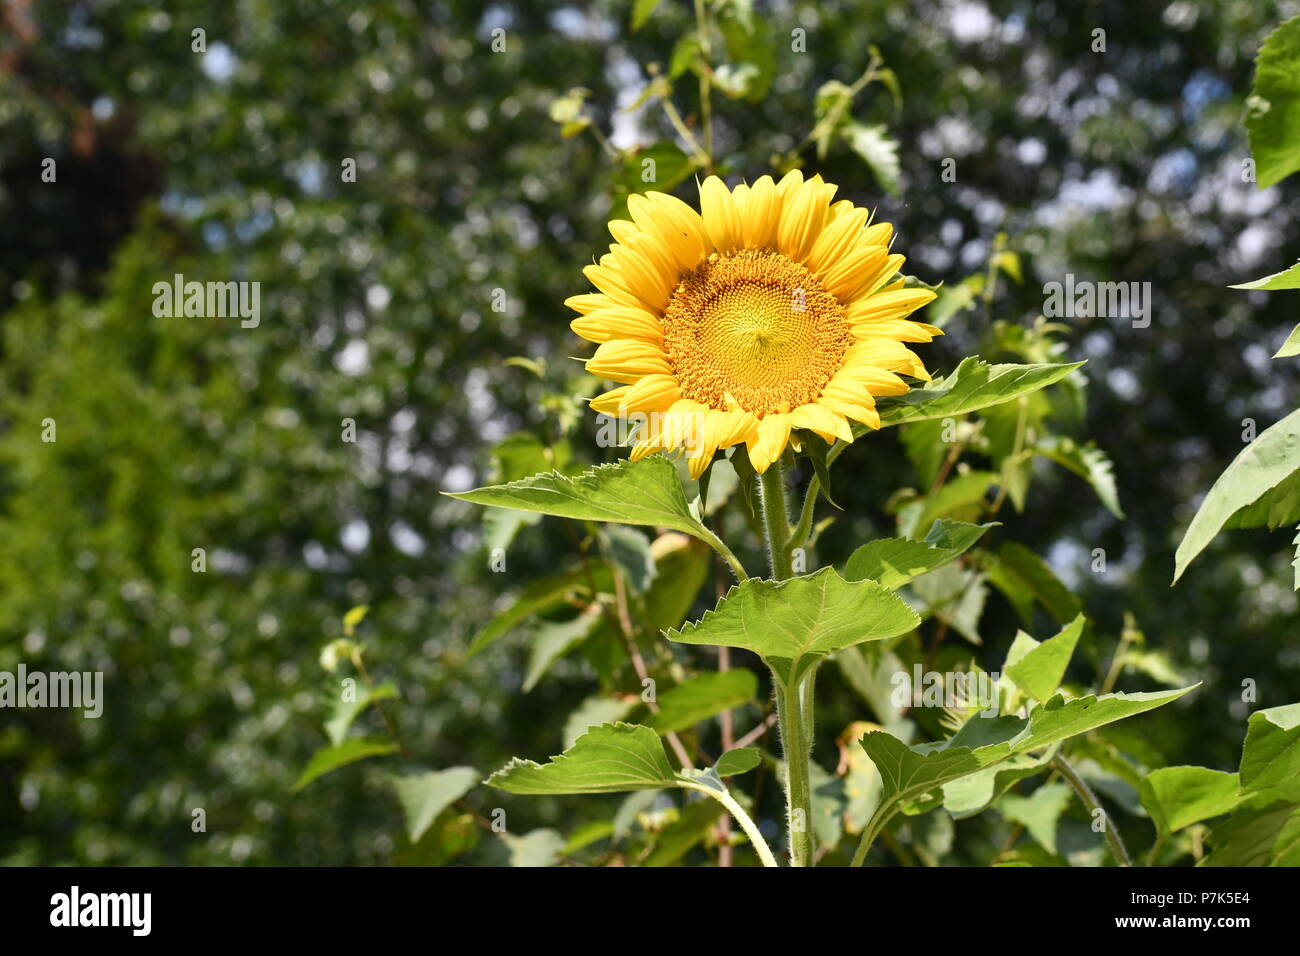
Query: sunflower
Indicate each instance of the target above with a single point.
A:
(774, 310)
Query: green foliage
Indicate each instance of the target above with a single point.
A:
(793, 624)
(425, 795)
(972, 386)
(340, 755)
(894, 561)
(1262, 466)
(1274, 104)
(610, 758)
(701, 697)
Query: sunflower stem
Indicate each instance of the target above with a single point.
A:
(776, 520)
(794, 699)
(793, 709)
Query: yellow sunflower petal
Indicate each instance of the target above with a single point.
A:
(904, 330)
(619, 322)
(849, 272)
(721, 217)
(859, 412)
(821, 420)
(672, 222)
(760, 213)
(653, 393)
(627, 360)
(871, 279)
(837, 238)
(589, 302)
(803, 213)
(769, 440)
(888, 305)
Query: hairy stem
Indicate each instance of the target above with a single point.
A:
(796, 745)
(747, 824)
(1089, 800)
(793, 701)
(776, 520)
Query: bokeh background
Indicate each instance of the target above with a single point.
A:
(376, 299)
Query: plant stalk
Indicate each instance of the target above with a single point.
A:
(1080, 787)
(793, 701)
(796, 744)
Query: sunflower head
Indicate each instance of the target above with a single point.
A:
(771, 309)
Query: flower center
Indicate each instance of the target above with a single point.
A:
(756, 325)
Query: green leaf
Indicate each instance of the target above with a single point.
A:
(908, 773)
(535, 848)
(629, 551)
(954, 298)
(894, 561)
(347, 711)
(537, 598)
(685, 55)
(1270, 757)
(658, 167)
(682, 565)
(642, 11)
(878, 150)
(1272, 457)
(692, 825)
(1288, 279)
(340, 755)
(701, 697)
(1039, 812)
(598, 709)
(968, 795)
(1292, 344)
(1273, 120)
(1177, 797)
(926, 449)
(425, 795)
(1257, 836)
(1088, 462)
(354, 617)
(972, 386)
(552, 640)
(751, 47)
(646, 492)
(1018, 568)
(961, 495)
(741, 760)
(793, 624)
(610, 758)
(1039, 672)
(1278, 506)
(815, 449)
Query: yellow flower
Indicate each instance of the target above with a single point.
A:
(773, 310)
